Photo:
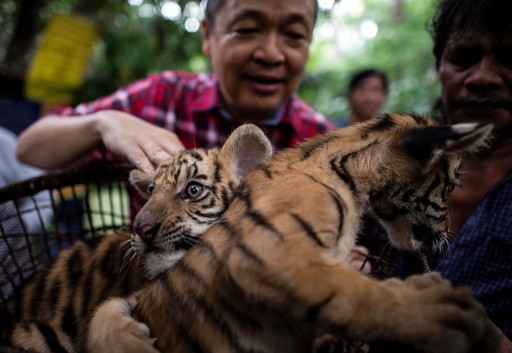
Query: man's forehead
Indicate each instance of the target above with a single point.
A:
(471, 38)
(291, 8)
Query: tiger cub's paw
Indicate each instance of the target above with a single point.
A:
(114, 330)
(433, 316)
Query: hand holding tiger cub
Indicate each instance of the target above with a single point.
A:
(275, 269)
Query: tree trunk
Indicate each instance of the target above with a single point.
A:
(26, 28)
(398, 13)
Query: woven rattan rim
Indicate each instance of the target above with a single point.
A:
(57, 179)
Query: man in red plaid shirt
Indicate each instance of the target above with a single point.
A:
(258, 51)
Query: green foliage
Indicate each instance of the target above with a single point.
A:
(132, 46)
(401, 48)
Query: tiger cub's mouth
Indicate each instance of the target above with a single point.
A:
(185, 243)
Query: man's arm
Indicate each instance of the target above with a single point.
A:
(54, 142)
(505, 345)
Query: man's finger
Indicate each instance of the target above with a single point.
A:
(173, 146)
(141, 162)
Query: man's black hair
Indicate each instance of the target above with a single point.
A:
(366, 73)
(214, 6)
(469, 16)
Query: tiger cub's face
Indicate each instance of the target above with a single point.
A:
(424, 165)
(415, 214)
(188, 193)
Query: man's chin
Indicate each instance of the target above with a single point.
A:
(258, 110)
(481, 116)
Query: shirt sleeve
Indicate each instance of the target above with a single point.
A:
(137, 98)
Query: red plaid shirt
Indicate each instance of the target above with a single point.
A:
(188, 104)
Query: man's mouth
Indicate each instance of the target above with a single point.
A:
(265, 79)
(481, 107)
(264, 84)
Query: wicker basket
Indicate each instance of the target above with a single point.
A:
(42, 215)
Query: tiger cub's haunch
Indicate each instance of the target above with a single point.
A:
(274, 271)
(190, 192)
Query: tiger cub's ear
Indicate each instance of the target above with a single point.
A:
(245, 149)
(428, 144)
(141, 181)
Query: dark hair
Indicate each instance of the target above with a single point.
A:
(214, 6)
(469, 16)
(364, 74)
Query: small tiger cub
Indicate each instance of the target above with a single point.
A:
(274, 271)
(190, 192)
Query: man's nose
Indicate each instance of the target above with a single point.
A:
(270, 49)
(486, 74)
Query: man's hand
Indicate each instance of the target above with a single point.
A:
(141, 143)
(359, 259)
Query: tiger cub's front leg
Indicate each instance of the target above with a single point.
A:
(114, 330)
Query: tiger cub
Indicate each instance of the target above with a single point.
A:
(194, 188)
(274, 271)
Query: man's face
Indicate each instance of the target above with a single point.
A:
(259, 49)
(476, 78)
(367, 98)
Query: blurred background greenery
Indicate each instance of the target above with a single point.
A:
(137, 37)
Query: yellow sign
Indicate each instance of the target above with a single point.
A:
(59, 63)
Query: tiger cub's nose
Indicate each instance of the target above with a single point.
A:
(145, 231)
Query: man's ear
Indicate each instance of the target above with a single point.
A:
(205, 31)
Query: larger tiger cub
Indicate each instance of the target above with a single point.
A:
(274, 270)
(191, 191)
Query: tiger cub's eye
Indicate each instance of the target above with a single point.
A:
(193, 190)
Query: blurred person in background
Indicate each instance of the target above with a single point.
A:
(367, 92)
(17, 220)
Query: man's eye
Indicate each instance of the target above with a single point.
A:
(462, 61)
(295, 35)
(246, 30)
(463, 57)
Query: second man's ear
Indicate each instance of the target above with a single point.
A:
(206, 32)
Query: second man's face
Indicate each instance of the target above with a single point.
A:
(476, 77)
(259, 49)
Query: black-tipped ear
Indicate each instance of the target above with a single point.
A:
(472, 137)
(428, 144)
(141, 181)
(245, 149)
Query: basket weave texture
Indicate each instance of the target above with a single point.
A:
(43, 215)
